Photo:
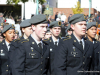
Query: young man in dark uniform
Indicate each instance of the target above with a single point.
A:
(33, 54)
(75, 55)
(54, 42)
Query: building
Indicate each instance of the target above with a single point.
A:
(84, 4)
(30, 8)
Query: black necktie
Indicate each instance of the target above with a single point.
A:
(40, 47)
(81, 44)
(56, 43)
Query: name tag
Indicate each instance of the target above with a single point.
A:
(32, 54)
(74, 53)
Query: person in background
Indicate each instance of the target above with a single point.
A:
(16, 34)
(69, 30)
(48, 34)
(1, 37)
(56, 16)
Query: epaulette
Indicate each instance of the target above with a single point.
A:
(46, 39)
(24, 40)
(17, 40)
(45, 42)
(68, 37)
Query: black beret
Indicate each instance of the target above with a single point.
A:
(8, 27)
(55, 24)
(76, 18)
(89, 25)
(25, 23)
(39, 19)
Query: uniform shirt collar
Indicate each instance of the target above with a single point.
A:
(7, 44)
(55, 41)
(80, 40)
(37, 41)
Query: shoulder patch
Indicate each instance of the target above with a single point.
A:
(17, 40)
(46, 39)
(24, 40)
(68, 37)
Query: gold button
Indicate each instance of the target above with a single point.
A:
(6, 70)
(90, 56)
(32, 57)
(7, 65)
(98, 52)
(41, 57)
(83, 63)
(74, 55)
(83, 56)
(41, 62)
(41, 69)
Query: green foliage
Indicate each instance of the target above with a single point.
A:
(17, 1)
(77, 9)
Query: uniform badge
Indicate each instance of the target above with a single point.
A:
(51, 49)
(2, 54)
(32, 50)
(32, 42)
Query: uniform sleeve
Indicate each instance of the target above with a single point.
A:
(19, 62)
(61, 60)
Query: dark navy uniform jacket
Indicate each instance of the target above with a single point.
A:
(12, 51)
(96, 61)
(30, 60)
(71, 58)
(53, 50)
(4, 59)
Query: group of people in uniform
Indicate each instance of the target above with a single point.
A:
(41, 51)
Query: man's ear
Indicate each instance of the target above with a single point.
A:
(4, 34)
(72, 26)
(33, 27)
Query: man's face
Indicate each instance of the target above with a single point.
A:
(55, 31)
(1, 27)
(92, 32)
(9, 35)
(79, 28)
(39, 30)
(47, 35)
(27, 31)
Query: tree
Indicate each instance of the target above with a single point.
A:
(77, 9)
(17, 1)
